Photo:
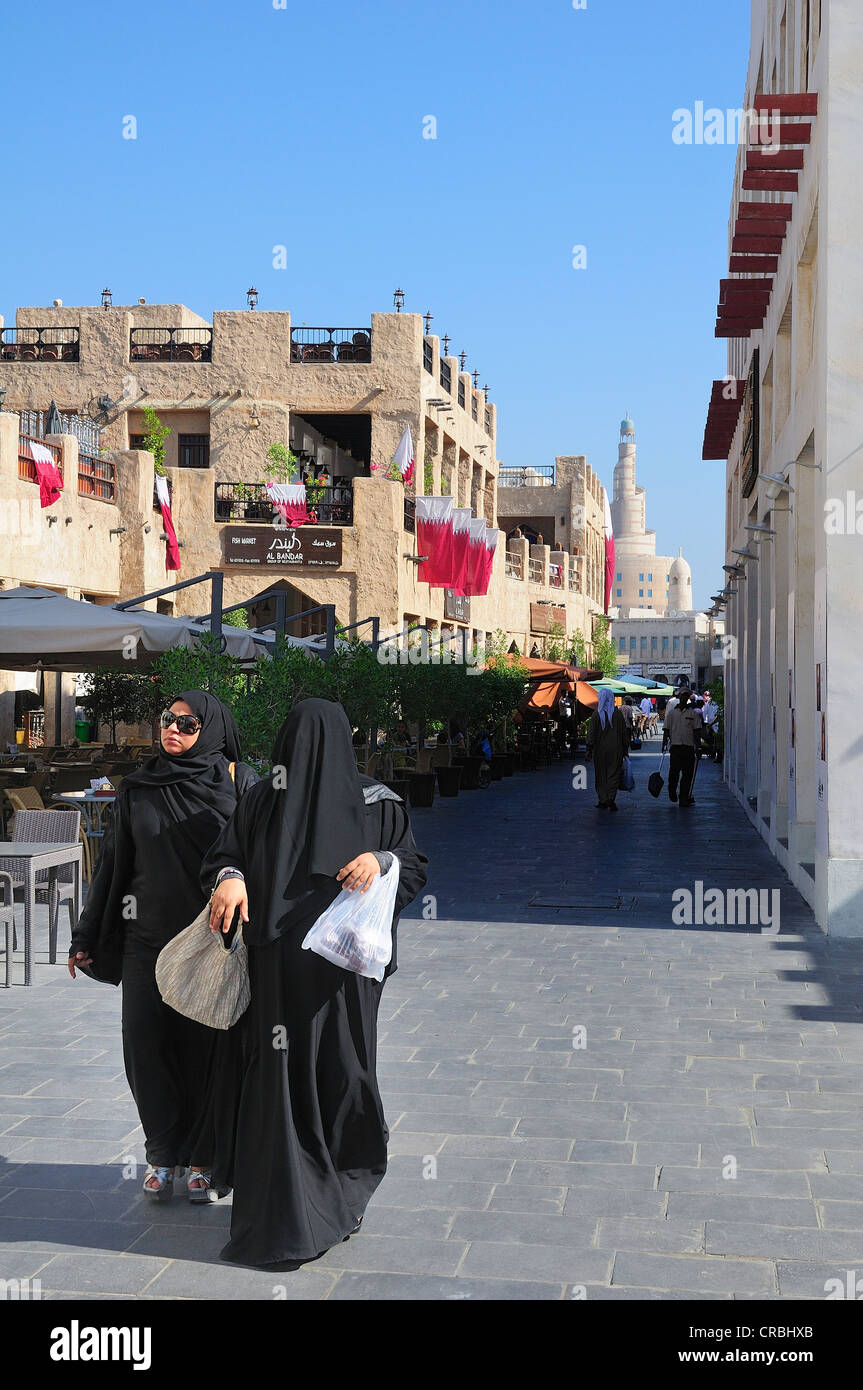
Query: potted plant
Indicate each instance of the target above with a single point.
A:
(449, 779)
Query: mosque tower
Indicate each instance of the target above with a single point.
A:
(679, 586)
(628, 512)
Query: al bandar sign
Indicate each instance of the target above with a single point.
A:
(283, 547)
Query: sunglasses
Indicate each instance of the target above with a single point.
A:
(186, 723)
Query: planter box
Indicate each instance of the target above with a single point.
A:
(449, 780)
(400, 786)
(508, 764)
(498, 767)
(421, 788)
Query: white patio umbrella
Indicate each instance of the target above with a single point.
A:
(41, 630)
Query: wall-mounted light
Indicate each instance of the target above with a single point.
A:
(52, 520)
(254, 418)
(107, 299)
(68, 521)
(746, 554)
(399, 300)
(147, 528)
(252, 297)
(117, 531)
(760, 532)
(776, 485)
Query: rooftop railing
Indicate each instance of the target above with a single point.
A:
(97, 477)
(541, 476)
(535, 571)
(514, 566)
(39, 344)
(331, 345)
(171, 345)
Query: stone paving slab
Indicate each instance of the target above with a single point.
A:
(703, 1139)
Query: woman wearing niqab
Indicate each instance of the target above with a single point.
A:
(145, 889)
(608, 740)
(301, 1133)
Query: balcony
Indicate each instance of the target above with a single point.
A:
(555, 575)
(39, 344)
(250, 502)
(535, 571)
(97, 477)
(171, 345)
(514, 566)
(543, 476)
(331, 345)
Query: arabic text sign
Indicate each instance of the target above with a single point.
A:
(283, 547)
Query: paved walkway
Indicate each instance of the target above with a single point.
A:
(705, 1141)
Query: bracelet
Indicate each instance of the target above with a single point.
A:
(229, 873)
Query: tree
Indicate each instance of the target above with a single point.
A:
(155, 434)
(554, 645)
(578, 649)
(604, 650)
(204, 667)
(118, 697)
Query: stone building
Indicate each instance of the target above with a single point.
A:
(788, 421)
(229, 388)
(665, 646)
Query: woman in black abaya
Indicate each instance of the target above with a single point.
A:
(146, 889)
(300, 1121)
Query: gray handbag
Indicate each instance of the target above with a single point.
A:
(201, 977)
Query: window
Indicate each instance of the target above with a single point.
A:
(623, 644)
(644, 645)
(675, 644)
(641, 579)
(136, 441)
(620, 593)
(650, 593)
(653, 644)
(619, 577)
(665, 645)
(687, 643)
(641, 595)
(668, 579)
(193, 450)
(632, 644)
(650, 579)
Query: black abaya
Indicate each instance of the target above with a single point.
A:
(300, 1128)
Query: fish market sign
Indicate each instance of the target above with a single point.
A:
(283, 547)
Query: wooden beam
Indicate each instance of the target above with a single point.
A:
(753, 264)
(756, 245)
(787, 103)
(775, 159)
(767, 212)
(759, 226)
(765, 284)
(760, 182)
(800, 134)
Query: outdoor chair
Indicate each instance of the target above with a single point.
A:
(71, 779)
(7, 920)
(50, 827)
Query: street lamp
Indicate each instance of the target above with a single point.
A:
(475, 376)
(776, 485)
(427, 318)
(446, 342)
(462, 359)
(252, 297)
(399, 300)
(107, 299)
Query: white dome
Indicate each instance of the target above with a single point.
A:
(680, 571)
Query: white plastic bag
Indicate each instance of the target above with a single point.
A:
(355, 931)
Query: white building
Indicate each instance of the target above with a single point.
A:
(642, 580)
(665, 646)
(789, 420)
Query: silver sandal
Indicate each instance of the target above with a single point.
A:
(207, 1193)
(163, 1188)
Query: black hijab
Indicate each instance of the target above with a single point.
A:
(198, 792)
(298, 827)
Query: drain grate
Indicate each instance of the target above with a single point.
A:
(600, 902)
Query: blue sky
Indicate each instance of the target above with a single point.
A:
(303, 126)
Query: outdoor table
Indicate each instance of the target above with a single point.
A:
(90, 803)
(25, 860)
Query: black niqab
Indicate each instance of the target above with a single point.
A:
(295, 830)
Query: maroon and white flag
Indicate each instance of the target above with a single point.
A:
(403, 458)
(49, 476)
(609, 553)
(434, 519)
(489, 548)
(172, 550)
(476, 555)
(461, 518)
(289, 500)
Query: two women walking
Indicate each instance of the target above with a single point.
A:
(285, 1105)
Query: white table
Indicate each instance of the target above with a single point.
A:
(23, 861)
(87, 801)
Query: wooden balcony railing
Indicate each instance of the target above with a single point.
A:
(26, 466)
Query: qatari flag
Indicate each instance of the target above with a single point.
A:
(289, 500)
(172, 551)
(487, 558)
(476, 555)
(460, 547)
(49, 475)
(434, 539)
(609, 553)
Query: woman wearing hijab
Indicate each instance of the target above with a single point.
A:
(303, 1136)
(608, 740)
(146, 888)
